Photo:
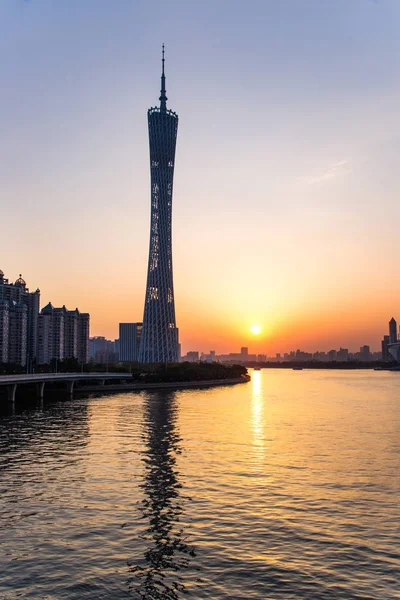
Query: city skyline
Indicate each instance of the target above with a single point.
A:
(258, 349)
(132, 335)
(293, 129)
(32, 335)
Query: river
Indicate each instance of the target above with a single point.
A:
(286, 487)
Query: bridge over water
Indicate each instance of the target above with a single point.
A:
(11, 382)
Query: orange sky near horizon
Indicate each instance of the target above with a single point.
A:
(223, 321)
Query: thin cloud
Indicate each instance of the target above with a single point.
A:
(333, 171)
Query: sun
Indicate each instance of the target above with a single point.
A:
(255, 329)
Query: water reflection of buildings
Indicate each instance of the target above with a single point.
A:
(257, 420)
(33, 442)
(159, 574)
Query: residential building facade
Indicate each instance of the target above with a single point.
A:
(63, 334)
(18, 293)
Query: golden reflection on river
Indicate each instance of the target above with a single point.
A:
(257, 423)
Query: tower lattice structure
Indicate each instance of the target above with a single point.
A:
(159, 341)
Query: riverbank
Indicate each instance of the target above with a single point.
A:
(141, 387)
(346, 366)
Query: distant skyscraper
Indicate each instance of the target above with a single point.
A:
(192, 356)
(365, 353)
(385, 348)
(102, 351)
(83, 336)
(97, 346)
(159, 341)
(392, 331)
(129, 341)
(342, 355)
(332, 354)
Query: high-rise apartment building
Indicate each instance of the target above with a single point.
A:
(4, 330)
(159, 342)
(19, 294)
(83, 337)
(63, 334)
(18, 333)
(46, 336)
(130, 335)
(51, 334)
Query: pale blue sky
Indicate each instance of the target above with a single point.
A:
(287, 160)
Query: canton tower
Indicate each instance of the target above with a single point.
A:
(159, 340)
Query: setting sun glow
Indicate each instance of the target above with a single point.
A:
(255, 329)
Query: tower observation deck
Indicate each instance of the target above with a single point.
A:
(159, 341)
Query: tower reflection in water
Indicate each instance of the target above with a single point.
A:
(160, 574)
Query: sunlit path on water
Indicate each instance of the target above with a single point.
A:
(284, 487)
(257, 422)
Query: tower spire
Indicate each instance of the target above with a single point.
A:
(163, 98)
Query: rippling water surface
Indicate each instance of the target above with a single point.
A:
(285, 487)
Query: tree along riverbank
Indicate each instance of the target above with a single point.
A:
(141, 387)
(187, 372)
(175, 375)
